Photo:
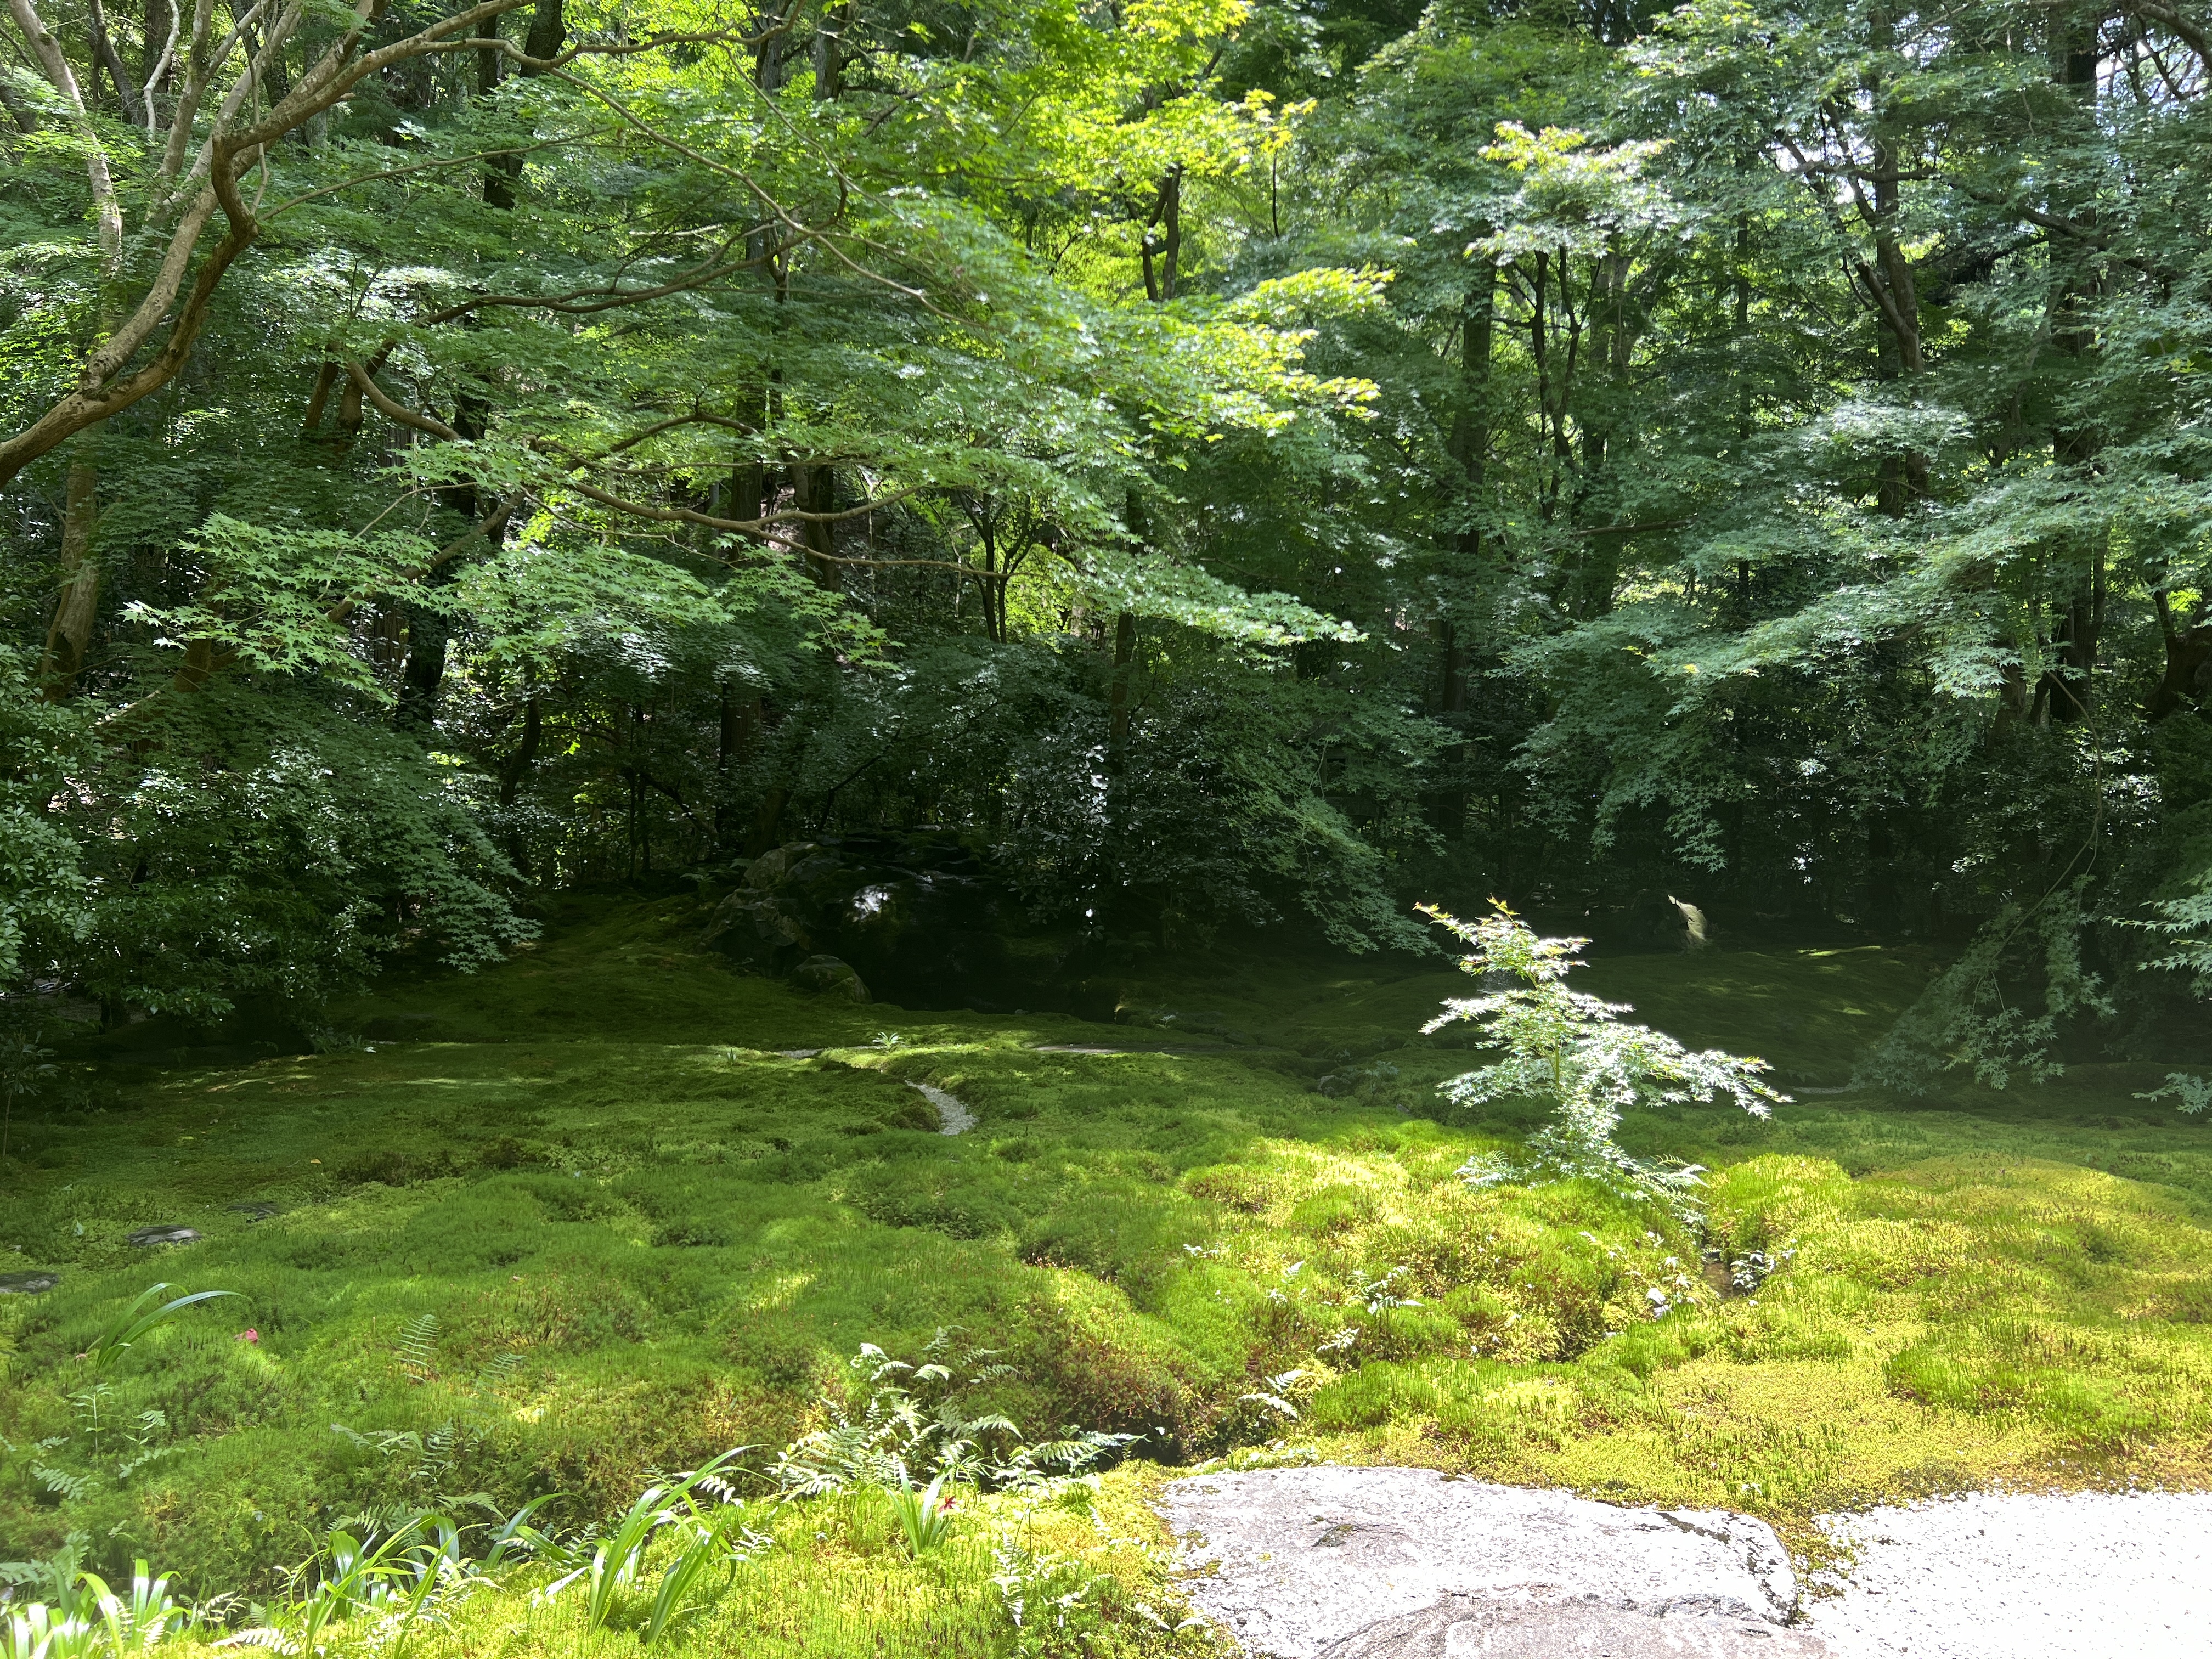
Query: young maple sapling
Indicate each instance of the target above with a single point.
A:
(1571, 1048)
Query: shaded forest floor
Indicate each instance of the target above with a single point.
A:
(555, 1227)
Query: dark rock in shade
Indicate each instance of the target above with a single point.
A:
(916, 916)
(828, 974)
(31, 1284)
(146, 1238)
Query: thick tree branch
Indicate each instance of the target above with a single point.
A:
(2170, 18)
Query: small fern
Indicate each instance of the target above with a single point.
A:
(495, 1376)
(74, 1486)
(417, 1348)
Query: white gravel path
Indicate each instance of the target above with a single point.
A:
(955, 1116)
(1327, 1562)
(2090, 1575)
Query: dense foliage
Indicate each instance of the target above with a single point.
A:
(1245, 464)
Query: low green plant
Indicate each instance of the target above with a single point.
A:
(708, 1548)
(924, 1517)
(907, 1422)
(517, 1536)
(1055, 1603)
(393, 1580)
(1570, 1049)
(617, 1558)
(86, 1619)
(36, 1631)
(26, 1068)
(147, 1618)
(910, 1423)
(133, 1322)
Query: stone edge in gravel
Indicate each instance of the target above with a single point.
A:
(1312, 1563)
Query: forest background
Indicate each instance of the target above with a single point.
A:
(1245, 467)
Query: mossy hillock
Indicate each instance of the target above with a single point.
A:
(612, 1208)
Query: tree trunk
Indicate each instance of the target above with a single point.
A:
(1118, 694)
(2077, 286)
(2188, 658)
(516, 769)
(1165, 248)
(103, 46)
(423, 679)
(740, 729)
(549, 33)
(1470, 434)
(829, 50)
(1902, 475)
(69, 638)
(501, 171)
(814, 490)
(319, 399)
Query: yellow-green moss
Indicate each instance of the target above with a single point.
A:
(646, 1234)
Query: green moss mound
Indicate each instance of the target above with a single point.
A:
(588, 1218)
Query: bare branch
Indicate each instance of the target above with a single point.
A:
(2170, 18)
(395, 410)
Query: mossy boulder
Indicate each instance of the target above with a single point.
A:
(918, 918)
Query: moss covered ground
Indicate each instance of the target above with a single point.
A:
(552, 1228)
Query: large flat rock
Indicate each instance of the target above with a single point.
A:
(1462, 1627)
(1332, 1563)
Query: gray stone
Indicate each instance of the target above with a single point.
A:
(828, 974)
(146, 1238)
(1303, 1560)
(31, 1284)
(1462, 1627)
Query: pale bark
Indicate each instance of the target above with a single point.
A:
(70, 639)
(162, 319)
(106, 210)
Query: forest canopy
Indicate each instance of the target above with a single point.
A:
(1238, 466)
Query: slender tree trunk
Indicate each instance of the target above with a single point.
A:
(2078, 284)
(499, 173)
(103, 45)
(422, 681)
(1470, 434)
(69, 638)
(18, 111)
(516, 770)
(1119, 692)
(1902, 476)
(741, 724)
(1161, 254)
(319, 399)
(814, 490)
